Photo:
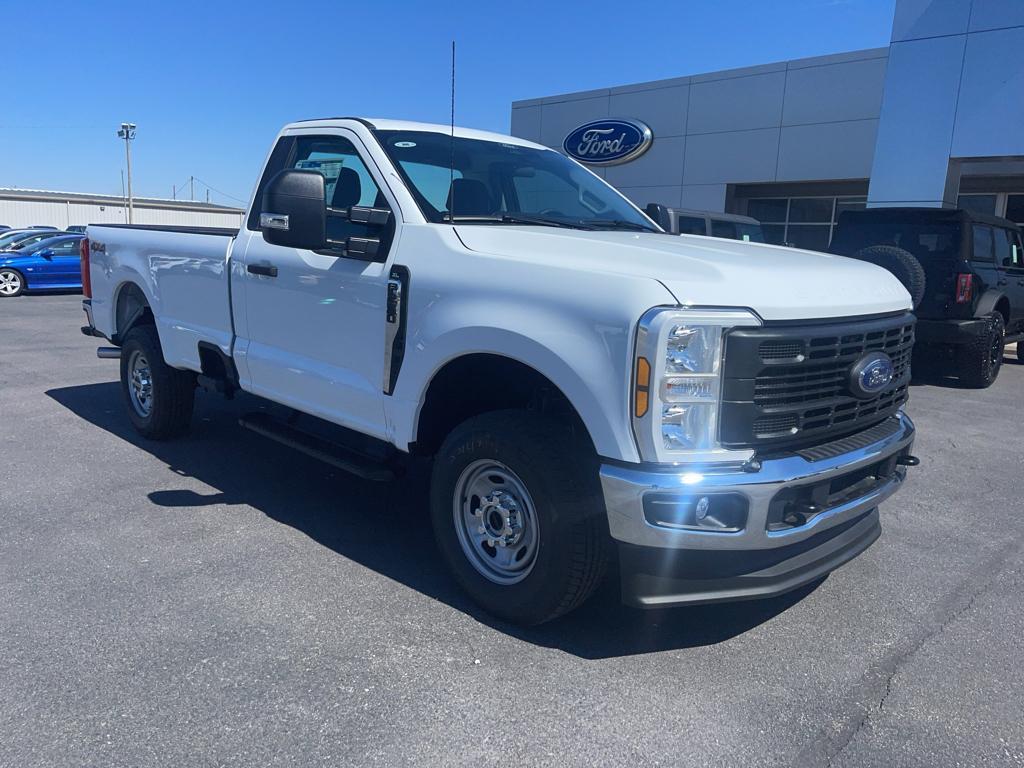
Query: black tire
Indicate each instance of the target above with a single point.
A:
(559, 471)
(1020, 351)
(171, 392)
(12, 278)
(981, 360)
(901, 263)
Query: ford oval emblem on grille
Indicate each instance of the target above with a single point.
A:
(608, 142)
(871, 375)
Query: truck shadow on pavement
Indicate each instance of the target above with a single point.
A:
(383, 527)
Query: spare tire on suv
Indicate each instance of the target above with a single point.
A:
(903, 264)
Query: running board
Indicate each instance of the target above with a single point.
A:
(315, 447)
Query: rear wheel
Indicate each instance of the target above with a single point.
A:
(160, 398)
(518, 515)
(11, 283)
(981, 360)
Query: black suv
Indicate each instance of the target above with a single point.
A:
(964, 272)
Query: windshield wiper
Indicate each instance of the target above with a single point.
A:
(620, 224)
(518, 218)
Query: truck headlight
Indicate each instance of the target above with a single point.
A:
(677, 382)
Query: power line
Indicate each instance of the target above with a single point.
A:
(222, 194)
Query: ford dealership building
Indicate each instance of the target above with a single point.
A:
(935, 119)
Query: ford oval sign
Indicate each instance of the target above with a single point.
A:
(608, 142)
(871, 375)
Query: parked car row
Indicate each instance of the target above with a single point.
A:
(39, 258)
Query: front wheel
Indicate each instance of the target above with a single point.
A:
(160, 398)
(518, 515)
(11, 283)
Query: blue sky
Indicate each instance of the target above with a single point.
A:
(209, 83)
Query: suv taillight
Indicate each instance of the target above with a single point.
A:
(964, 288)
(83, 250)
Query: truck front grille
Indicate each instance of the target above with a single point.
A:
(789, 386)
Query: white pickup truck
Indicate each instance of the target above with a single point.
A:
(724, 417)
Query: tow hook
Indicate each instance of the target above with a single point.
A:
(108, 353)
(908, 461)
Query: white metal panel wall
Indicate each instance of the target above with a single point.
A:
(60, 213)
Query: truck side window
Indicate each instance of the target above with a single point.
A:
(278, 160)
(1003, 251)
(1017, 252)
(726, 229)
(983, 245)
(348, 181)
(691, 225)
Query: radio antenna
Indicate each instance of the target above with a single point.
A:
(451, 147)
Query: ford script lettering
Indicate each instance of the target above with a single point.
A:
(871, 375)
(608, 142)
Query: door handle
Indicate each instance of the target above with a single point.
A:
(266, 270)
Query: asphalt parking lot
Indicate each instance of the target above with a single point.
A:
(222, 600)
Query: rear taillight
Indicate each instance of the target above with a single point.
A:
(964, 288)
(83, 250)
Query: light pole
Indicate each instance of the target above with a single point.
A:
(127, 132)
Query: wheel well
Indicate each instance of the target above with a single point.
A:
(132, 309)
(1003, 308)
(479, 383)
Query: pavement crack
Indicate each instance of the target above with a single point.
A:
(875, 686)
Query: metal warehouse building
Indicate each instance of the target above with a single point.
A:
(29, 207)
(935, 119)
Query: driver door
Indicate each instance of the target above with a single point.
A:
(315, 320)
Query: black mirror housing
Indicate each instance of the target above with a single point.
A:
(294, 212)
(659, 214)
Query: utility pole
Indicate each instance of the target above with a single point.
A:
(192, 188)
(207, 196)
(174, 192)
(127, 132)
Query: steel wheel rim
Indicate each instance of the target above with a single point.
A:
(496, 522)
(10, 283)
(140, 383)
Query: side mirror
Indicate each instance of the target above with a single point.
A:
(46, 253)
(660, 215)
(294, 212)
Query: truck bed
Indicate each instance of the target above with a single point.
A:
(184, 274)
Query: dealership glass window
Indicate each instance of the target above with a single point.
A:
(805, 222)
(978, 203)
(1009, 205)
(1015, 208)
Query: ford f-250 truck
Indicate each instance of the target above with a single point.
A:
(726, 422)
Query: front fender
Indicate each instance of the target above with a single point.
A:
(588, 360)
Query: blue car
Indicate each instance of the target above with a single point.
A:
(50, 264)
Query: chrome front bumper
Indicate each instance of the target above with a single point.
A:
(681, 565)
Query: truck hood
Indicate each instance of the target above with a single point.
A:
(776, 282)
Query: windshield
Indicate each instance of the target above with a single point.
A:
(494, 182)
(10, 237)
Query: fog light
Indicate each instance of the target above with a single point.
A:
(718, 512)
